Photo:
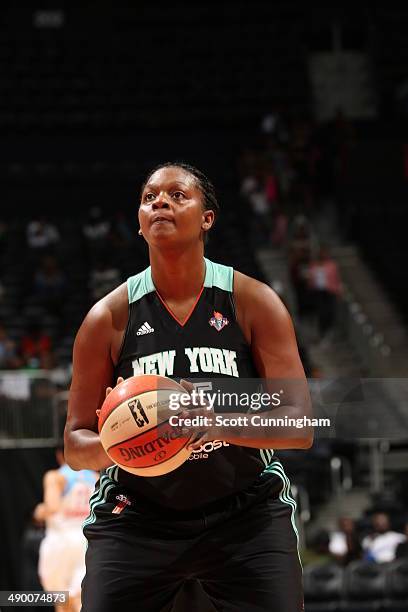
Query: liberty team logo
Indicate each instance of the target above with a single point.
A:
(218, 321)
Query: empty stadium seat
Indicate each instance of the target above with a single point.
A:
(364, 586)
(323, 587)
(397, 586)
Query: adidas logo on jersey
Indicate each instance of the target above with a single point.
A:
(145, 329)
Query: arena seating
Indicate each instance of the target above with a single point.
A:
(361, 586)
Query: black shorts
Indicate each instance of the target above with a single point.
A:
(242, 550)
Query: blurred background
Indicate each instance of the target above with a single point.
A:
(299, 116)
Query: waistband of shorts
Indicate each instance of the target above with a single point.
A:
(265, 486)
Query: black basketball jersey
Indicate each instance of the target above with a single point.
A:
(208, 343)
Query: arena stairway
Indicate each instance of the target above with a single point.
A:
(350, 503)
(383, 338)
(337, 359)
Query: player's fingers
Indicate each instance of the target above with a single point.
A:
(195, 443)
(108, 390)
(98, 412)
(120, 380)
(197, 435)
(187, 385)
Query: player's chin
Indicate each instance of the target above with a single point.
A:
(162, 231)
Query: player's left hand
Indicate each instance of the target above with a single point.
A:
(198, 437)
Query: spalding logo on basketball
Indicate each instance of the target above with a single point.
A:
(134, 426)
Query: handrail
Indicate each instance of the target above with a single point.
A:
(341, 474)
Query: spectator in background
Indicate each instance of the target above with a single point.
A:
(344, 544)
(279, 228)
(381, 544)
(96, 231)
(122, 230)
(49, 285)
(253, 190)
(42, 236)
(273, 125)
(9, 359)
(324, 282)
(283, 170)
(36, 350)
(299, 258)
(121, 241)
(104, 277)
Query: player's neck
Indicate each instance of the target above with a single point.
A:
(178, 275)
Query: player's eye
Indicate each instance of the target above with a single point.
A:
(178, 195)
(149, 197)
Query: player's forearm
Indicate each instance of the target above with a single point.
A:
(284, 427)
(83, 450)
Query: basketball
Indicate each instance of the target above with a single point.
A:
(134, 426)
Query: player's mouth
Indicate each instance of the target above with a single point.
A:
(159, 219)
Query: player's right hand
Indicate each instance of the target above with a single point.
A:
(108, 390)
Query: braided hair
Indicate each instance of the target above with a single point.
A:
(203, 182)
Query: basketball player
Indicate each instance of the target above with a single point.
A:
(62, 551)
(226, 516)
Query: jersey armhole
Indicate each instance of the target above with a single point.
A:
(232, 297)
(234, 309)
(124, 337)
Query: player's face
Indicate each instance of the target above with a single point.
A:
(171, 210)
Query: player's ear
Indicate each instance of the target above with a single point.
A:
(208, 219)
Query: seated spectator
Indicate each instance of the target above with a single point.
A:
(344, 544)
(36, 350)
(96, 227)
(8, 353)
(123, 234)
(299, 258)
(274, 126)
(121, 240)
(42, 235)
(324, 281)
(381, 544)
(280, 228)
(253, 190)
(49, 285)
(96, 231)
(103, 279)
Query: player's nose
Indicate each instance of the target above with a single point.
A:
(161, 201)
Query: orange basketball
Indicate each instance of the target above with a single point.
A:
(134, 426)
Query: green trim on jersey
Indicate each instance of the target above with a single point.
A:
(139, 285)
(216, 275)
(107, 482)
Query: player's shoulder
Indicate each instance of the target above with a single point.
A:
(248, 288)
(258, 300)
(108, 314)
